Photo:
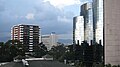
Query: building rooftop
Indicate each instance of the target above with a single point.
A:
(37, 63)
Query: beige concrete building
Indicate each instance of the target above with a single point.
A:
(50, 40)
(112, 31)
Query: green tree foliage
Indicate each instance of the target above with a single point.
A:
(4, 53)
(109, 65)
(57, 51)
(40, 51)
(69, 53)
(83, 55)
(10, 49)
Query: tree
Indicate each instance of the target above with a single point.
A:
(4, 53)
(108, 65)
(40, 51)
(57, 51)
(13, 51)
(10, 49)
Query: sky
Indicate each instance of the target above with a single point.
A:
(50, 15)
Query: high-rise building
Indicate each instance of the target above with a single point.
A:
(28, 35)
(107, 23)
(98, 20)
(50, 40)
(101, 24)
(112, 31)
(87, 13)
(78, 29)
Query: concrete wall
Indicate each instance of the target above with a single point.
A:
(112, 31)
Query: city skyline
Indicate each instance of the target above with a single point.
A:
(92, 25)
(37, 12)
(105, 28)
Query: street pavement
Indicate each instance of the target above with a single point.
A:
(37, 63)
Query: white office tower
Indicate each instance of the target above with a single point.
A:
(50, 40)
(78, 29)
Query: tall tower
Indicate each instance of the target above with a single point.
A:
(98, 20)
(106, 25)
(112, 31)
(78, 29)
(28, 35)
(87, 13)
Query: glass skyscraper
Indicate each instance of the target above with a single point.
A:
(101, 24)
(98, 20)
(78, 29)
(87, 13)
(106, 26)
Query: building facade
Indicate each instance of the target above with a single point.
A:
(50, 40)
(78, 29)
(87, 13)
(107, 22)
(98, 20)
(101, 24)
(28, 35)
(111, 31)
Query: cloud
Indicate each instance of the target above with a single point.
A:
(63, 19)
(65, 36)
(84, 1)
(2, 7)
(44, 14)
(30, 16)
(4, 36)
(60, 4)
(52, 19)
